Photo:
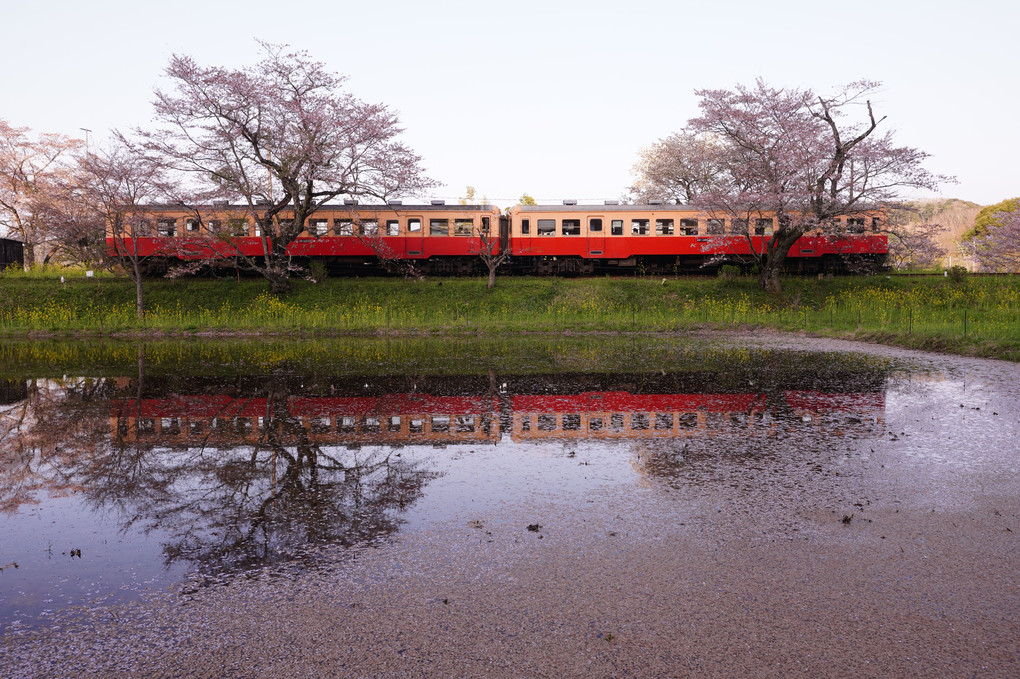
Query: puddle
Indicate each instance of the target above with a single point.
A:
(132, 471)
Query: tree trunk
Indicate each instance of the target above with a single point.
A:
(769, 278)
(492, 277)
(279, 283)
(775, 259)
(139, 302)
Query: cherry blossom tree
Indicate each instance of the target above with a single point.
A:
(916, 246)
(997, 248)
(112, 189)
(680, 167)
(32, 168)
(800, 158)
(492, 251)
(281, 137)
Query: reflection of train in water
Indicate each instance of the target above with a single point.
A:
(397, 419)
(393, 419)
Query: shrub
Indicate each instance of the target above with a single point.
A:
(317, 271)
(729, 272)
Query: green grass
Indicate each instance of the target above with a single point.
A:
(975, 316)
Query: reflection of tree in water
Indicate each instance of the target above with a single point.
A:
(223, 506)
(280, 500)
(46, 428)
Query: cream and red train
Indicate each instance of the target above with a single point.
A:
(541, 239)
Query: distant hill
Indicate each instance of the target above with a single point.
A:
(935, 210)
(955, 216)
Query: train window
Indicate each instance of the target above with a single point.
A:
(595, 225)
(738, 227)
(763, 226)
(875, 223)
(170, 426)
(464, 423)
(616, 228)
(145, 426)
(595, 424)
(525, 226)
(638, 227)
(369, 227)
(485, 225)
(346, 423)
(639, 421)
(664, 421)
(343, 227)
(239, 226)
(166, 227)
(213, 225)
(441, 423)
(616, 422)
(319, 425)
(855, 224)
(196, 428)
(716, 226)
(547, 423)
(525, 423)
(395, 423)
(664, 227)
(547, 227)
(416, 426)
(689, 227)
(463, 227)
(688, 420)
(258, 229)
(392, 227)
(571, 227)
(191, 225)
(370, 424)
(439, 227)
(318, 227)
(413, 225)
(571, 422)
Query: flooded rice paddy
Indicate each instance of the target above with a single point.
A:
(715, 506)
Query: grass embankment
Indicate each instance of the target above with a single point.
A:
(974, 316)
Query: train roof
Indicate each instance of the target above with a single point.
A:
(656, 207)
(333, 206)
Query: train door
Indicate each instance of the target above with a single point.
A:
(414, 237)
(596, 236)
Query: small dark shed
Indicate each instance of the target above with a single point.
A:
(11, 252)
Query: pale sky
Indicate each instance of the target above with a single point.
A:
(550, 98)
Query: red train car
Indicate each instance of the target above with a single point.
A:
(438, 238)
(667, 239)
